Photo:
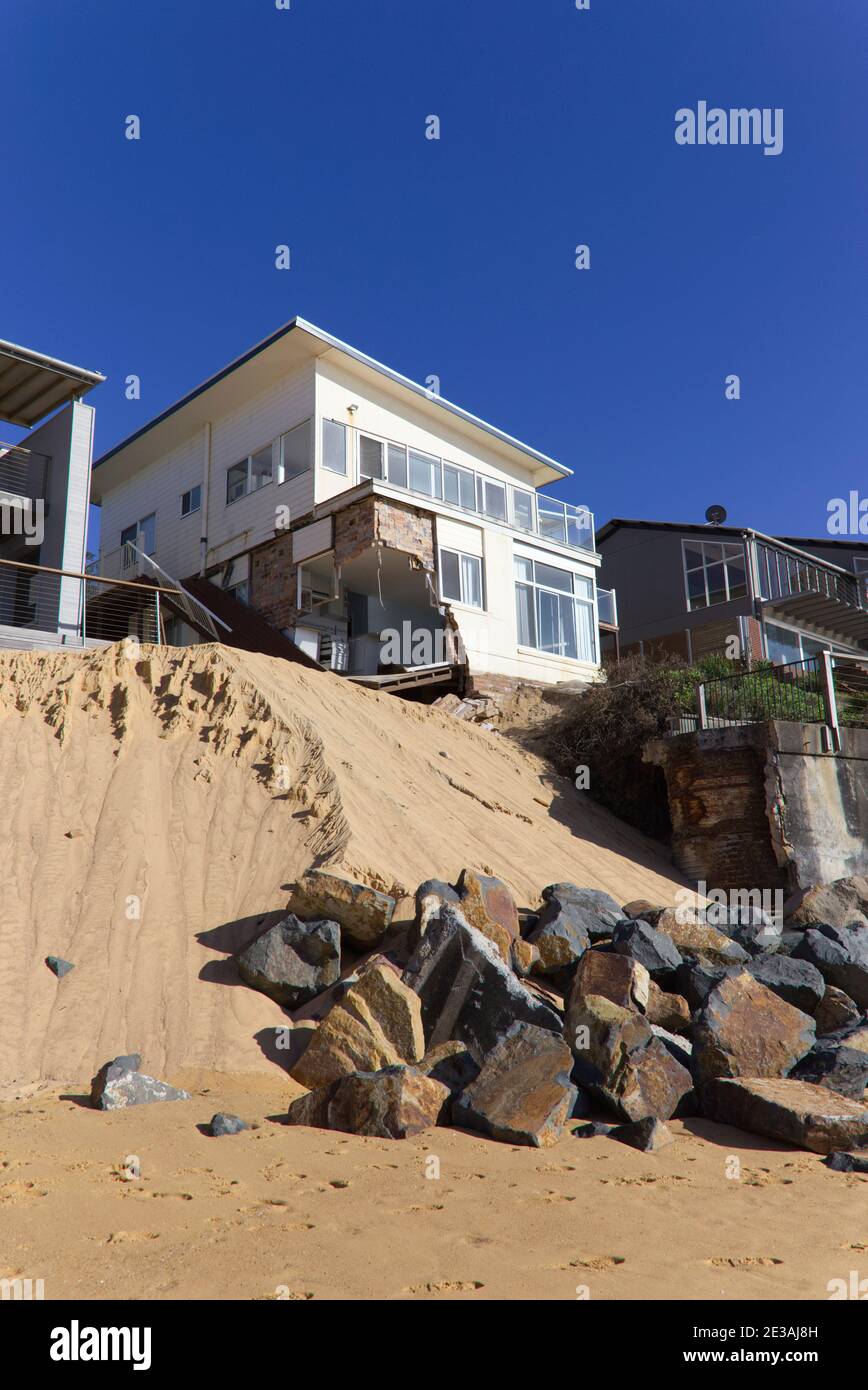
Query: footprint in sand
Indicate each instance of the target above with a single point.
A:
(131, 1237)
(447, 1286)
(742, 1262)
(596, 1262)
(13, 1192)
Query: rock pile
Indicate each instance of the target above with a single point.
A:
(513, 1023)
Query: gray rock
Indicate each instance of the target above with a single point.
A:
(648, 1135)
(789, 941)
(841, 1162)
(841, 956)
(561, 938)
(430, 897)
(796, 981)
(226, 1124)
(746, 1030)
(653, 949)
(795, 1112)
(591, 900)
(843, 903)
(468, 992)
(119, 1083)
(292, 961)
(523, 1093)
(680, 1048)
(595, 1130)
(59, 966)
(451, 1064)
(621, 1062)
(841, 1068)
(696, 981)
(751, 927)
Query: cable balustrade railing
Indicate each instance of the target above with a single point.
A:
(41, 606)
(130, 561)
(823, 689)
(23, 472)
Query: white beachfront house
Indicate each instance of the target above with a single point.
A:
(393, 536)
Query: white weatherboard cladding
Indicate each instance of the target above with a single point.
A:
(311, 540)
(158, 489)
(458, 535)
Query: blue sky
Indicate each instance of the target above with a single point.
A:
(456, 257)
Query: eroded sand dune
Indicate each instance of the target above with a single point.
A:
(155, 808)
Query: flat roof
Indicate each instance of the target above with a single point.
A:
(696, 528)
(32, 385)
(319, 343)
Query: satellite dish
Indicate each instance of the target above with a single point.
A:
(716, 515)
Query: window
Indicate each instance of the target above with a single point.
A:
(397, 461)
(491, 498)
(458, 487)
(715, 573)
(261, 468)
(425, 474)
(191, 500)
(250, 474)
(461, 578)
(143, 535)
(294, 452)
(785, 645)
(522, 508)
(370, 457)
(236, 481)
(554, 610)
(552, 518)
(334, 446)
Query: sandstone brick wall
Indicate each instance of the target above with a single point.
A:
(375, 521)
(272, 581)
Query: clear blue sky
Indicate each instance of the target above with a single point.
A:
(456, 257)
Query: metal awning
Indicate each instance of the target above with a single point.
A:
(32, 385)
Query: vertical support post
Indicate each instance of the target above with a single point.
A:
(83, 583)
(830, 703)
(700, 705)
(157, 615)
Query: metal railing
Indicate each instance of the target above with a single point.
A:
(607, 607)
(784, 575)
(64, 608)
(824, 689)
(130, 560)
(23, 472)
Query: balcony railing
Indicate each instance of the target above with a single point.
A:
(23, 472)
(785, 575)
(607, 607)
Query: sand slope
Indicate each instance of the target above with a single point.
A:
(156, 807)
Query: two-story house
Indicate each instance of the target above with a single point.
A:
(696, 590)
(378, 526)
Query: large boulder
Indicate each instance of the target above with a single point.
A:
(489, 906)
(363, 914)
(835, 1010)
(843, 1069)
(696, 982)
(451, 1064)
(697, 941)
(796, 981)
(750, 926)
(618, 978)
(378, 1023)
(523, 1093)
(560, 939)
(598, 910)
(119, 1083)
(292, 961)
(839, 904)
(841, 956)
(670, 1011)
(746, 1030)
(389, 1104)
(648, 1135)
(467, 990)
(622, 1062)
(430, 897)
(793, 1112)
(653, 949)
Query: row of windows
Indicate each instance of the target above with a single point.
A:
(714, 573)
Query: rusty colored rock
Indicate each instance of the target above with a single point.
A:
(669, 1011)
(523, 1093)
(619, 1058)
(746, 1030)
(389, 1104)
(793, 1112)
(696, 940)
(524, 956)
(487, 902)
(363, 914)
(835, 1010)
(377, 1024)
(618, 978)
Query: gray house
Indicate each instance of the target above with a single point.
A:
(695, 590)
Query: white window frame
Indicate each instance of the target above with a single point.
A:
(338, 473)
(128, 561)
(249, 489)
(462, 555)
(536, 588)
(700, 543)
(191, 511)
(279, 451)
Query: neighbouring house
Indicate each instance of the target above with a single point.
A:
(692, 589)
(44, 492)
(307, 494)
